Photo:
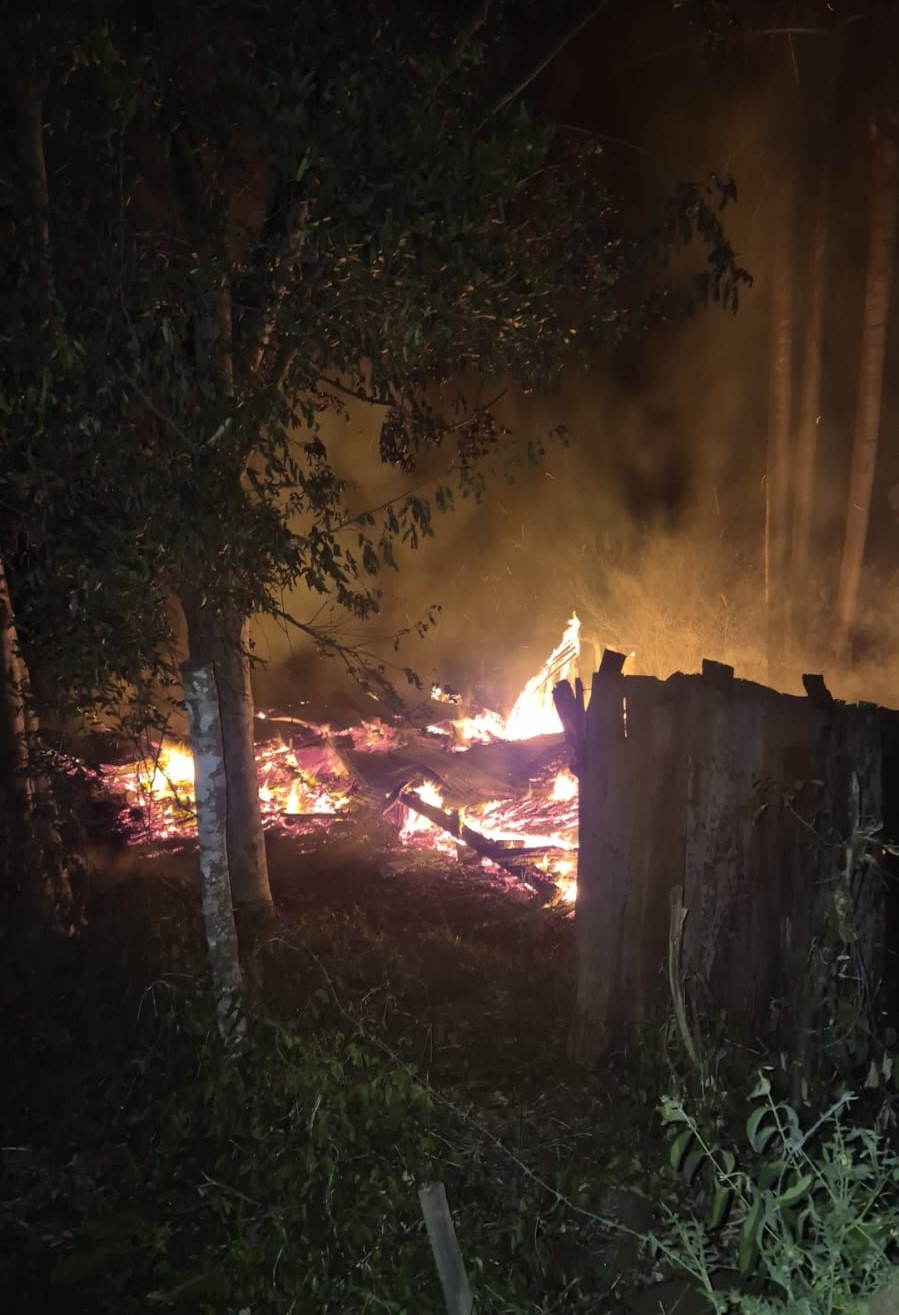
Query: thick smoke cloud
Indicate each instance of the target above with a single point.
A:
(650, 521)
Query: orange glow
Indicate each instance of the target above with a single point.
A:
(417, 829)
(533, 712)
(308, 784)
(564, 787)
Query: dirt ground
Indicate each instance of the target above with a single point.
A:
(450, 949)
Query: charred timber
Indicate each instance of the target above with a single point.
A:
(513, 860)
(570, 706)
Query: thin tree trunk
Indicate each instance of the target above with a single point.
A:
(16, 781)
(881, 258)
(38, 878)
(211, 793)
(28, 100)
(225, 643)
(780, 421)
(809, 413)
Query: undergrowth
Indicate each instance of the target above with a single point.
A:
(283, 1179)
(798, 1216)
(154, 1171)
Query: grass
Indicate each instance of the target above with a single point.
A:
(411, 1020)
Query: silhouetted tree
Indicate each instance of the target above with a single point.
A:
(248, 212)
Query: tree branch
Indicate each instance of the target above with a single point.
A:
(544, 63)
(170, 423)
(290, 250)
(358, 397)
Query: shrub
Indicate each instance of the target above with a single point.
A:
(806, 1221)
(280, 1180)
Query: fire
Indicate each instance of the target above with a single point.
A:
(160, 787)
(312, 781)
(565, 787)
(533, 712)
(418, 830)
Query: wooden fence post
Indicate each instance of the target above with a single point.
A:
(602, 876)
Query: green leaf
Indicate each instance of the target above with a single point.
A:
(769, 1173)
(720, 1205)
(672, 1111)
(749, 1232)
(793, 1195)
(761, 1088)
(679, 1148)
(758, 1135)
(692, 1164)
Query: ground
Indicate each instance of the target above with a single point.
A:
(465, 974)
(138, 1158)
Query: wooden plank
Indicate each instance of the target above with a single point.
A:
(569, 704)
(602, 865)
(514, 860)
(816, 689)
(746, 800)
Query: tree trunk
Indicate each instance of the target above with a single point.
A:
(809, 408)
(780, 420)
(224, 643)
(37, 877)
(881, 256)
(211, 793)
(14, 777)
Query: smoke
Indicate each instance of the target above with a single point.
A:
(650, 522)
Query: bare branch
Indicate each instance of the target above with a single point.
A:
(172, 424)
(544, 63)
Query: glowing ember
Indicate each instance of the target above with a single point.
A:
(418, 830)
(565, 787)
(160, 788)
(312, 781)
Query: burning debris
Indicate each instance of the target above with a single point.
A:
(497, 787)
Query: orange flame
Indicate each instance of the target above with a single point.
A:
(533, 712)
(298, 785)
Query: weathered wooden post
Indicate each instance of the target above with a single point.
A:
(603, 864)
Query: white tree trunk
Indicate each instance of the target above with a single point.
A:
(224, 643)
(201, 698)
